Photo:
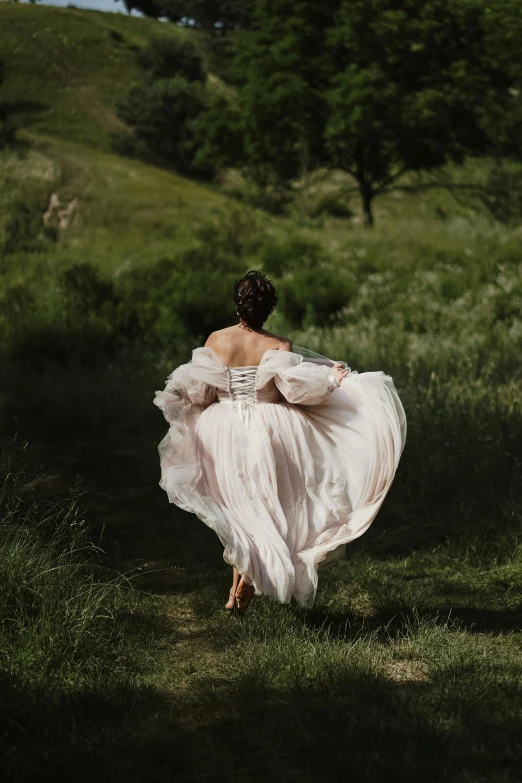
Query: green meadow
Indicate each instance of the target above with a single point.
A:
(117, 660)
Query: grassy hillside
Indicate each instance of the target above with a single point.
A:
(66, 67)
(126, 211)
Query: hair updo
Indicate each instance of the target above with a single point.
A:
(255, 298)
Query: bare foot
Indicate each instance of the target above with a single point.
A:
(244, 595)
(231, 603)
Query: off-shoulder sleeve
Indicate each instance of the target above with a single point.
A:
(300, 382)
(194, 383)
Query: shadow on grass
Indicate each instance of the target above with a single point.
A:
(394, 623)
(353, 726)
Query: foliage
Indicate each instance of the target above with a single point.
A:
(214, 15)
(366, 87)
(501, 196)
(23, 229)
(68, 68)
(332, 206)
(149, 8)
(282, 95)
(165, 58)
(220, 15)
(162, 116)
(218, 134)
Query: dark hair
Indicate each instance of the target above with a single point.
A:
(255, 298)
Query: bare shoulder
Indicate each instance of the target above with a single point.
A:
(286, 344)
(220, 337)
(280, 343)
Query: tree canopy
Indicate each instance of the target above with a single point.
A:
(207, 14)
(373, 87)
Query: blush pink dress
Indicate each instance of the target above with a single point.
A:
(285, 471)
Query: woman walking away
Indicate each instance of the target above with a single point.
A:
(285, 454)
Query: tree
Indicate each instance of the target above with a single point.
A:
(149, 8)
(414, 84)
(376, 88)
(213, 15)
(284, 69)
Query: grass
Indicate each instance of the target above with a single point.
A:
(66, 67)
(117, 660)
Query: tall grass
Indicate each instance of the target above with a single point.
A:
(72, 630)
(58, 604)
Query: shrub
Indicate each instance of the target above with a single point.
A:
(187, 297)
(23, 228)
(503, 194)
(278, 257)
(273, 200)
(332, 206)
(161, 116)
(219, 134)
(166, 58)
(313, 297)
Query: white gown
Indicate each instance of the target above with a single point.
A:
(283, 470)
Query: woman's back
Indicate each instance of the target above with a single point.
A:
(239, 346)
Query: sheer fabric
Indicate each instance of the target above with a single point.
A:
(284, 471)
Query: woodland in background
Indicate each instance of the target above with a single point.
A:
(370, 87)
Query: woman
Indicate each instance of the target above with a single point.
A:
(286, 458)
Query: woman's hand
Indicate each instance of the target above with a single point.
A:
(340, 371)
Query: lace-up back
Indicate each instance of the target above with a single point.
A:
(243, 394)
(242, 383)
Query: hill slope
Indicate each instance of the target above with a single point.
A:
(66, 67)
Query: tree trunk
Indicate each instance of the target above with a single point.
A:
(367, 198)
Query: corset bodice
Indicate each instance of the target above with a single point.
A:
(242, 391)
(242, 383)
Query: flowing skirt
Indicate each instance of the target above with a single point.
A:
(288, 486)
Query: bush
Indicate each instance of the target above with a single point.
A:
(23, 229)
(503, 194)
(161, 116)
(278, 257)
(83, 315)
(187, 297)
(166, 58)
(219, 134)
(275, 201)
(332, 206)
(313, 297)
